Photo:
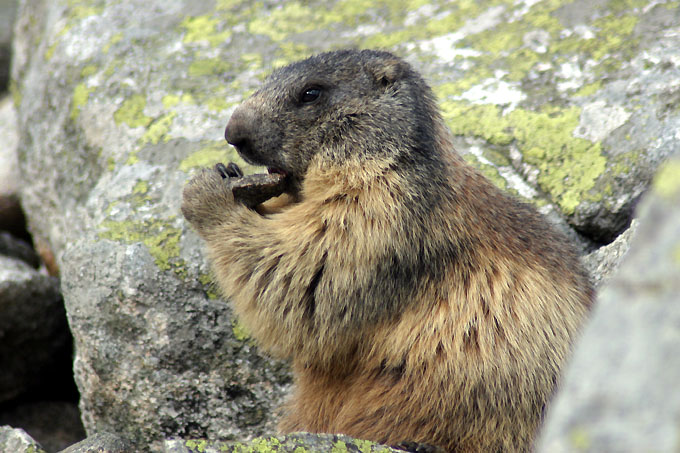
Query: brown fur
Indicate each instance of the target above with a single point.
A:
(417, 301)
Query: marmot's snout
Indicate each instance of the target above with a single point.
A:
(239, 130)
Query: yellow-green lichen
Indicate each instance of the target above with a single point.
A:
(587, 90)
(80, 9)
(210, 290)
(364, 446)
(428, 27)
(227, 4)
(210, 155)
(34, 449)
(487, 170)
(291, 17)
(159, 129)
(217, 104)
(49, 53)
(458, 87)
(569, 167)
(339, 447)
(15, 92)
(114, 39)
(89, 70)
(209, 66)
(265, 445)
(141, 187)
(290, 51)
(132, 158)
(197, 445)
(114, 66)
(477, 120)
(170, 100)
(204, 28)
(240, 332)
(161, 239)
(579, 439)
(611, 35)
(132, 112)
(667, 180)
(676, 254)
(81, 93)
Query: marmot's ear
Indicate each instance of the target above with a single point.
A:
(387, 71)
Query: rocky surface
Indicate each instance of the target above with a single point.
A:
(102, 443)
(570, 105)
(9, 164)
(17, 441)
(285, 444)
(620, 392)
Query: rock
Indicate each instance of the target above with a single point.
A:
(283, 444)
(620, 392)
(102, 443)
(604, 261)
(9, 134)
(571, 106)
(17, 441)
(34, 337)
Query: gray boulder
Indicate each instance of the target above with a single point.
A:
(620, 392)
(16, 440)
(571, 107)
(102, 443)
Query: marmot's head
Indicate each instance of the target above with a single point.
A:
(344, 104)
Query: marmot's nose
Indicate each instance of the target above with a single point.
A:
(240, 127)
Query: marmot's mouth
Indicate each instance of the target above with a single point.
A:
(277, 170)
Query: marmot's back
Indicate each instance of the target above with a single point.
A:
(418, 302)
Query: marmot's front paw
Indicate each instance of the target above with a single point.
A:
(207, 199)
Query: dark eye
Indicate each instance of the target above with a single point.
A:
(310, 95)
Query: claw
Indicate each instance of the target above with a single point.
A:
(229, 171)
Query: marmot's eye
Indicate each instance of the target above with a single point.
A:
(310, 95)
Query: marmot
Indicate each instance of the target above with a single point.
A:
(417, 301)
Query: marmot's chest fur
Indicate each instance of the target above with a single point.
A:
(417, 301)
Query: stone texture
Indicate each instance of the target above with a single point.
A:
(34, 337)
(283, 444)
(17, 441)
(604, 261)
(620, 392)
(570, 105)
(102, 443)
(9, 132)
